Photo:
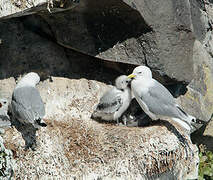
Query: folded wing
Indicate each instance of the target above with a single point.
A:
(27, 104)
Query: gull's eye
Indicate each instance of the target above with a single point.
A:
(127, 81)
(139, 72)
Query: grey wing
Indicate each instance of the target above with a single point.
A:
(110, 102)
(160, 101)
(27, 104)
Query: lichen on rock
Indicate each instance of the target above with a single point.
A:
(7, 163)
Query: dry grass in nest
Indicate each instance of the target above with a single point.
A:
(82, 141)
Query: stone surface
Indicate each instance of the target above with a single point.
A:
(91, 40)
(200, 20)
(199, 97)
(7, 162)
(201, 87)
(18, 8)
(198, 100)
(75, 146)
(44, 43)
(26, 57)
(23, 50)
(9, 8)
(131, 33)
(209, 132)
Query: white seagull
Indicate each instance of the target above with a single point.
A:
(27, 105)
(155, 100)
(115, 101)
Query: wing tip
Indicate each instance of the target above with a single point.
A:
(42, 124)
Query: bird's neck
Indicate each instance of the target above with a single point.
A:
(143, 81)
(123, 89)
(143, 77)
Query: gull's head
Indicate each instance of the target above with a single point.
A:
(30, 79)
(141, 71)
(122, 82)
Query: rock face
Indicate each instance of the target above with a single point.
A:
(199, 97)
(135, 33)
(99, 40)
(163, 35)
(7, 162)
(130, 31)
(17, 8)
(74, 146)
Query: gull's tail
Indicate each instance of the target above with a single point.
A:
(186, 117)
(42, 124)
(187, 120)
(183, 123)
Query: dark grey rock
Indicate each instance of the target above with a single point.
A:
(200, 19)
(198, 98)
(131, 32)
(23, 50)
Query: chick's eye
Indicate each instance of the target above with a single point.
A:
(127, 81)
(139, 72)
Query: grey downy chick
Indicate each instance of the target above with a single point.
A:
(115, 101)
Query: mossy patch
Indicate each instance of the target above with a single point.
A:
(206, 164)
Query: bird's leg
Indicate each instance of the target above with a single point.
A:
(29, 136)
(41, 123)
(124, 119)
(198, 121)
(117, 120)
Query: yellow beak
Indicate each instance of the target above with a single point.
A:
(131, 76)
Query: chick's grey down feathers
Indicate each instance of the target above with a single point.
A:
(110, 102)
(115, 101)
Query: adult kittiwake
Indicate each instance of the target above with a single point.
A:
(155, 100)
(27, 105)
(115, 101)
